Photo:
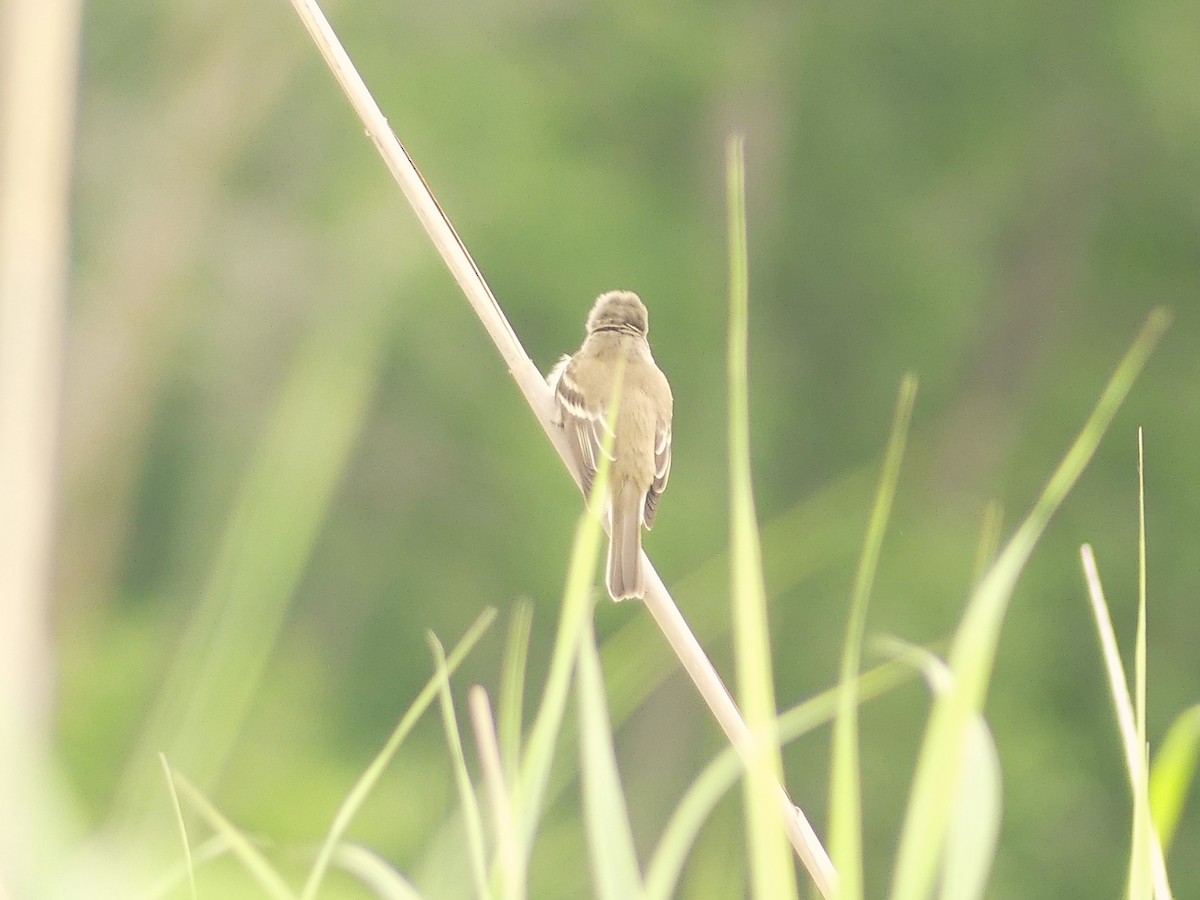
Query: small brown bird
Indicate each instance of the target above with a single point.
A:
(617, 327)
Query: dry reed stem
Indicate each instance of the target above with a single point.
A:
(533, 386)
(39, 61)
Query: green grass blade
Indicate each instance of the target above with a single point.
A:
(510, 712)
(1143, 847)
(1173, 771)
(975, 820)
(189, 864)
(610, 840)
(723, 772)
(369, 778)
(472, 820)
(989, 539)
(375, 872)
(845, 800)
(1147, 871)
(771, 870)
(1139, 887)
(510, 860)
(256, 864)
(167, 883)
(976, 807)
(931, 799)
(1139, 647)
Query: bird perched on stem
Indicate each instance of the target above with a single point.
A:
(583, 384)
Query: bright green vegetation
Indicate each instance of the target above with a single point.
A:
(291, 455)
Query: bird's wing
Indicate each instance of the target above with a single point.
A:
(585, 426)
(662, 471)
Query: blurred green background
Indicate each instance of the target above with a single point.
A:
(277, 395)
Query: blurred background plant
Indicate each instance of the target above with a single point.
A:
(274, 394)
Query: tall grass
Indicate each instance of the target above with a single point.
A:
(940, 763)
(960, 855)
(770, 864)
(947, 843)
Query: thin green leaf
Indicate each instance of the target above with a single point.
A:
(1139, 647)
(975, 816)
(510, 712)
(1147, 868)
(189, 865)
(989, 539)
(206, 851)
(610, 839)
(256, 864)
(374, 872)
(772, 873)
(845, 797)
(975, 821)
(1142, 846)
(510, 858)
(1173, 771)
(462, 778)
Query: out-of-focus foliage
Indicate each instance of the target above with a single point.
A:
(992, 196)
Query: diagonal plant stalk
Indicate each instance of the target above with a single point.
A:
(532, 385)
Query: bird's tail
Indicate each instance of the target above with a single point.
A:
(624, 575)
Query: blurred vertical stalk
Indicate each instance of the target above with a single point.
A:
(38, 65)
